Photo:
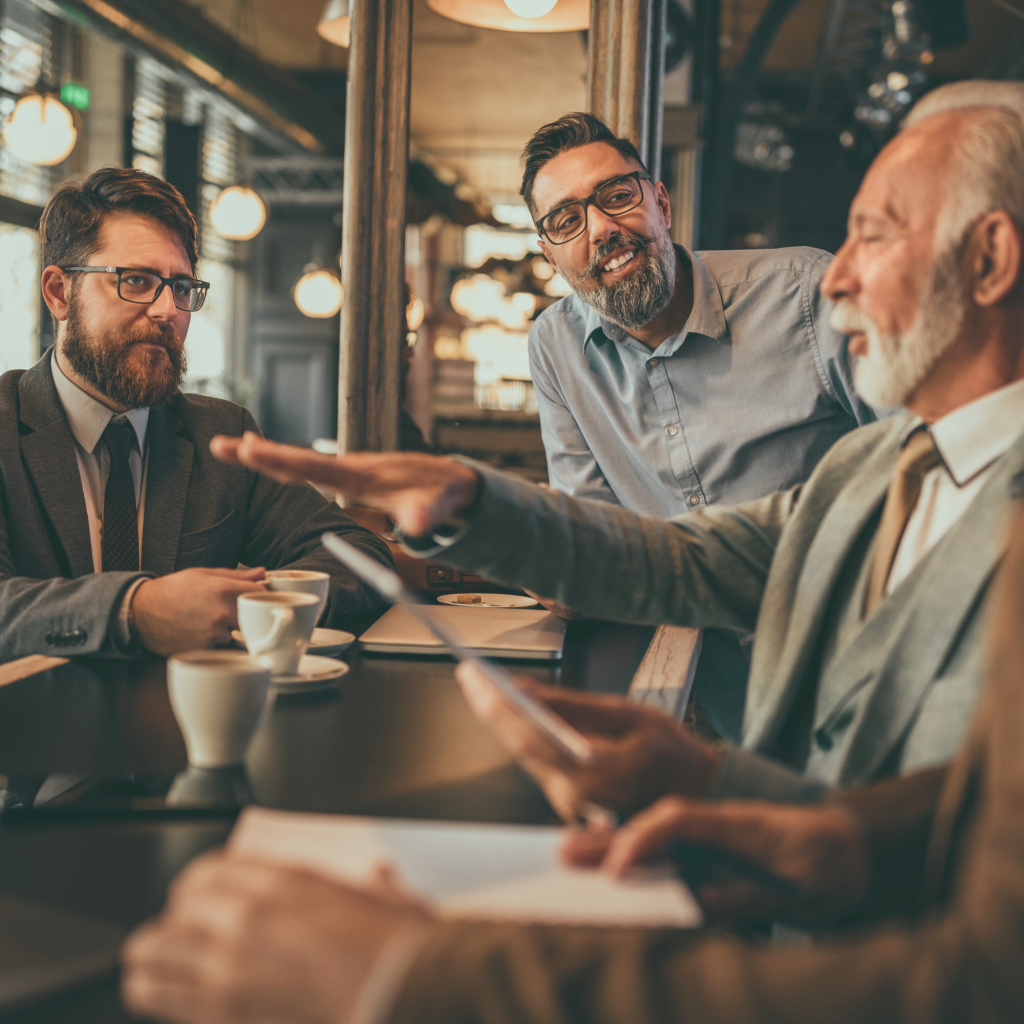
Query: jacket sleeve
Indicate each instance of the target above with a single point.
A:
(283, 529)
(707, 568)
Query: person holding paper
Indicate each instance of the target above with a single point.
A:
(939, 854)
(868, 584)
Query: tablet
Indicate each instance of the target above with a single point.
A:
(569, 741)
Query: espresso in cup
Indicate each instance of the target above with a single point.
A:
(218, 699)
(276, 626)
(300, 581)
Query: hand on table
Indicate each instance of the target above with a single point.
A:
(563, 611)
(191, 609)
(418, 491)
(819, 847)
(245, 940)
(639, 754)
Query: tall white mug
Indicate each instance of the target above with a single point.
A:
(277, 626)
(301, 581)
(219, 699)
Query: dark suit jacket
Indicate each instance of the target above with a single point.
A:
(951, 840)
(199, 512)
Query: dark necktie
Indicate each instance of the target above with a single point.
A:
(917, 458)
(120, 517)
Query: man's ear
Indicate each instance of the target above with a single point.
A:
(995, 258)
(661, 198)
(56, 287)
(543, 246)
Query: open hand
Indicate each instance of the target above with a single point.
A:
(245, 940)
(639, 754)
(418, 491)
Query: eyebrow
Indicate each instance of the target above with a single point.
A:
(153, 270)
(568, 200)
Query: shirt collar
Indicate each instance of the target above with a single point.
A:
(87, 417)
(971, 438)
(707, 316)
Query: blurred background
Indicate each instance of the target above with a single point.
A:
(241, 105)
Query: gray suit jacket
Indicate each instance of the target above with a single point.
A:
(897, 697)
(199, 512)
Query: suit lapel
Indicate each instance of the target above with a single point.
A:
(923, 624)
(48, 450)
(771, 693)
(169, 470)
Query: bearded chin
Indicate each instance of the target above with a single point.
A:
(128, 375)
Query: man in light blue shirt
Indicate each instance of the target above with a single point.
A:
(671, 380)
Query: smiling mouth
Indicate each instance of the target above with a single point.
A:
(620, 259)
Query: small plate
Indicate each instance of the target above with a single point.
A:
(327, 642)
(314, 672)
(488, 601)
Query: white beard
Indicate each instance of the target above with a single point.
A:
(895, 365)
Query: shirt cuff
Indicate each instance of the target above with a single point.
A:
(123, 639)
(376, 997)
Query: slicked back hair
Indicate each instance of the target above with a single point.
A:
(70, 225)
(569, 132)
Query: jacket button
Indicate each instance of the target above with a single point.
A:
(823, 739)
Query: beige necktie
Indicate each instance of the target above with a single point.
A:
(919, 455)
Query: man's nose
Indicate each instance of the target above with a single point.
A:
(163, 307)
(601, 227)
(840, 281)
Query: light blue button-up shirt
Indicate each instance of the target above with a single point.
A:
(743, 401)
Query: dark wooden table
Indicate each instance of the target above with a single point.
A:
(394, 738)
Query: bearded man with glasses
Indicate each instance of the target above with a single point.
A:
(672, 380)
(119, 533)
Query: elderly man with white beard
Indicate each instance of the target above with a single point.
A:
(868, 585)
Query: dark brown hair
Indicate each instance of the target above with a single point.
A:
(71, 222)
(569, 132)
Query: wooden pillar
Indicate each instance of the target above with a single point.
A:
(373, 225)
(625, 69)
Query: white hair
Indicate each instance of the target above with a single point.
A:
(976, 92)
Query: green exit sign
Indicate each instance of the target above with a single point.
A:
(74, 95)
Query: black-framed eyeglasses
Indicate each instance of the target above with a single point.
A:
(613, 198)
(144, 287)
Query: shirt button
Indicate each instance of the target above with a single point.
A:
(672, 431)
(694, 500)
(653, 362)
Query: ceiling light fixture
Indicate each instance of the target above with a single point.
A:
(40, 130)
(238, 213)
(318, 293)
(517, 15)
(335, 24)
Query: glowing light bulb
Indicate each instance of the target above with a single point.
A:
(318, 293)
(414, 313)
(896, 81)
(40, 130)
(238, 213)
(530, 8)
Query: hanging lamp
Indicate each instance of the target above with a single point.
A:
(335, 25)
(517, 15)
(238, 213)
(40, 130)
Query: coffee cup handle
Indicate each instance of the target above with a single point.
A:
(283, 618)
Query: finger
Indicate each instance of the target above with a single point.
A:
(585, 848)
(225, 448)
(291, 464)
(149, 995)
(646, 837)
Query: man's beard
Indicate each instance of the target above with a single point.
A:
(136, 379)
(896, 365)
(635, 300)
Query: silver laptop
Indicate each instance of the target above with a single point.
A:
(486, 632)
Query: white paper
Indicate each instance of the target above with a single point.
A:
(489, 872)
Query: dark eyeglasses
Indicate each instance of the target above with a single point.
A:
(144, 287)
(613, 198)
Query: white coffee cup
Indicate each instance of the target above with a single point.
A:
(277, 626)
(218, 698)
(301, 581)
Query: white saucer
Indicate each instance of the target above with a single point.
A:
(327, 642)
(488, 601)
(314, 673)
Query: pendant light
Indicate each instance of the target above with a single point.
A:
(517, 15)
(40, 130)
(318, 293)
(238, 213)
(335, 25)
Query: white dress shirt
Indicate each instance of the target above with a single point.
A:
(88, 418)
(970, 440)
